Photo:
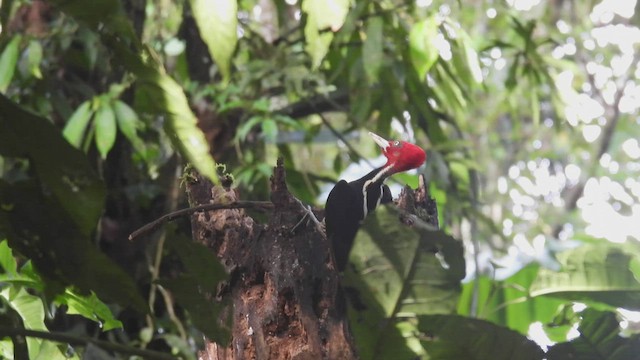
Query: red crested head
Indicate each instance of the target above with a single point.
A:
(401, 155)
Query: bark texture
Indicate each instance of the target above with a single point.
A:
(285, 291)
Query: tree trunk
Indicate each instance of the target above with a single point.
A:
(285, 290)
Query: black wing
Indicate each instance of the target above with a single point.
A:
(343, 214)
(386, 195)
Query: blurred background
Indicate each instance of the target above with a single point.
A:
(528, 111)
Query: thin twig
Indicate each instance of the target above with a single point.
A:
(258, 205)
(172, 201)
(81, 340)
(320, 228)
(169, 304)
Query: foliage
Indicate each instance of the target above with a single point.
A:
(598, 339)
(102, 102)
(457, 337)
(16, 294)
(404, 278)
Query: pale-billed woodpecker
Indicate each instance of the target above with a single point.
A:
(349, 203)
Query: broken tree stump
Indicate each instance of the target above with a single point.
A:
(284, 289)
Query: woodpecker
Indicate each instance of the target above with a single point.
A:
(349, 203)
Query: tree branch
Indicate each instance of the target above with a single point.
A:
(316, 104)
(80, 340)
(258, 205)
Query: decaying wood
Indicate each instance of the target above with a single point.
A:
(284, 288)
(418, 203)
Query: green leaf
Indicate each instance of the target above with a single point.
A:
(168, 99)
(23, 278)
(323, 18)
(422, 42)
(217, 21)
(88, 306)
(7, 260)
(372, 49)
(75, 128)
(198, 261)
(8, 61)
(31, 310)
(50, 350)
(269, 130)
(106, 129)
(301, 186)
(592, 273)
(448, 89)
(514, 70)
(449, 337)
(34, 57)
(464, 57)
(507, 302)
(403, 277)
(62, 169)
(360, 97)
(127, 119)
(196, 289)
(243, 130)
(128, 123)
(427, 118)
(91, 308)
(599, 340)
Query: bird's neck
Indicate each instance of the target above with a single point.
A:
(372, 188)
(377, 176)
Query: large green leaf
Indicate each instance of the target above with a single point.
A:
(464, 58)
(372, 49)
(34, 57)
(31, 310)
(448, 88)
(599, 340)
(600, 273)
(323, 18)
(75, 128)
(422, 42)
(61, 169)
(106, 128)
(128, 123)
(449, 337)
(424, 113)
(507, 302)
(404, 272)
(8, 61)
(90, 307)
(217, 21)
(50, 350)
(7, 261)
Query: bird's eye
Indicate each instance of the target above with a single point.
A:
(396, 143)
